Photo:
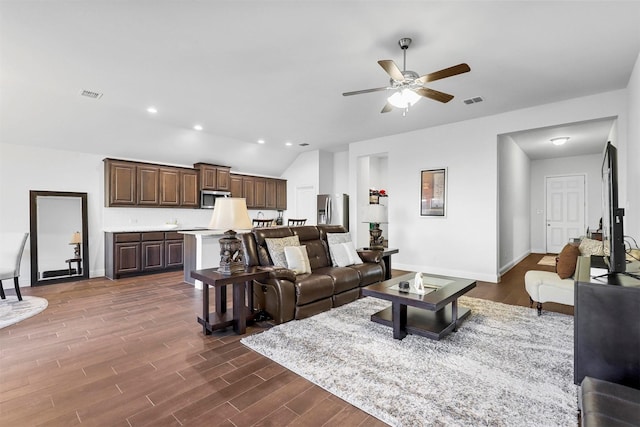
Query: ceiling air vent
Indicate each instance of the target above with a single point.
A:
(304, 144)
(474, 100)
(90, 94)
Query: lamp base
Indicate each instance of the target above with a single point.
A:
(231, 257)
(376, 239)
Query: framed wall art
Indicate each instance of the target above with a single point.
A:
(433, 192)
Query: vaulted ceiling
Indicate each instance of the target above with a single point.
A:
(276, 70)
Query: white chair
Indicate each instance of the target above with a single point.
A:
(547, 286)
(10, 267)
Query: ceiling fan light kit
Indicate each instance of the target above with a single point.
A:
(560, 140)
(408, 86)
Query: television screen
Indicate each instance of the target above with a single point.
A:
(612, 215)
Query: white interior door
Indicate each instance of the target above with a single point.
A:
(565, 210)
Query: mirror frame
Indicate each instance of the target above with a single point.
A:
(33, 227)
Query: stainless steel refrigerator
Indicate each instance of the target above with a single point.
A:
(333, 209)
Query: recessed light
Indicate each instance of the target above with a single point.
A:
(288, 144)
(261, 141)
(152, 110)
(559, 141)
(197, 127)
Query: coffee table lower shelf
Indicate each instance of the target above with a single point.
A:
(429, 324)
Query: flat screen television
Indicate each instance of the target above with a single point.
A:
(612, 215)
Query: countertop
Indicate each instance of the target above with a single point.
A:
(161, 227)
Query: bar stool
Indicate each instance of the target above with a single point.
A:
(263, 222)
(293, 221)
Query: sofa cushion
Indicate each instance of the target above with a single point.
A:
(276, 248)
(344, 278)
(313, 287)
(567, 260)
(297, 259)
(369, 273)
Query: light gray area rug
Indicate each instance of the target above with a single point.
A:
(13, 311)
(504, 367)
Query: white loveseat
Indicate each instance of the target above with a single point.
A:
(547, 286)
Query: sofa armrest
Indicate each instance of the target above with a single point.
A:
(280, 273)
(277, 297)
(370, 255)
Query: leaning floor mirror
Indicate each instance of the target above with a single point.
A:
(59, 240)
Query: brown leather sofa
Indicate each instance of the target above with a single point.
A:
(286, 296)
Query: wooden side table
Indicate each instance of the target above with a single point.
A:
(78, 262)
(242, 313)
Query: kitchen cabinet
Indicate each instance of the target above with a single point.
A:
(148, 180)
(138, 184)
(120, 183)
(260, 193)
(190, 193)
(270, 193)
(134, 253)
(213, 177)
(249, 190)
(235, 185)
(281, 194)
(169, 186)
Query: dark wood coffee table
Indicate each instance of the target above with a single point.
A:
(432, 315)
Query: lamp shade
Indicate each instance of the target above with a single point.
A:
(230, 213)
(404, 98)
(376, 214)
(76, 238)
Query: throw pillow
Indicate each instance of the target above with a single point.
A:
(297, 259)
(567, 261)
(591, 247)
(344, 254)
(336, 238)
(276, 249)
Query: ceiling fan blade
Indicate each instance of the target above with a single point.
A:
(388, 107)
(358, 92)
(447, 72)
(434, 94)
(392, 69)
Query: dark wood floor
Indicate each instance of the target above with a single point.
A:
(130, 353)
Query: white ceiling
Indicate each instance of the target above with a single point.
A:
(276, 70)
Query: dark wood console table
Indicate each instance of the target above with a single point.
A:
(242, 313)
(607, 326)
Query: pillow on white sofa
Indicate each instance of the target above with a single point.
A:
(591, 247)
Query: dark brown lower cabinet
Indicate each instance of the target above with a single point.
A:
(131, 254)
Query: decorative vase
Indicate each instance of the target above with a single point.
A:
(418, 286)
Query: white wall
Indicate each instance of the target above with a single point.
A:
(303, 180)
(341, 172)
(513, 201)
(632, 213)
(465, 242)
(590, 166)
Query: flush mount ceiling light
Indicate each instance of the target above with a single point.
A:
(152, 110)
(197, 127)
(261, 141)
(288, 144)
(560, 140)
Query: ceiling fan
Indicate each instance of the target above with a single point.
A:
(408, 85)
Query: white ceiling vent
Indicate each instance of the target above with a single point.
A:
(474, 100)
(90, 94)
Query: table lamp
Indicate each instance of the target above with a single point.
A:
(376, 215)
(230, 213)
(76, 239)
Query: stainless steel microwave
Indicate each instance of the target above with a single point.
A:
(208, 198)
